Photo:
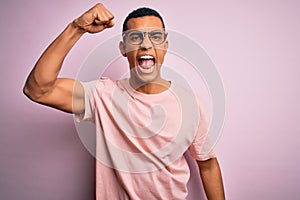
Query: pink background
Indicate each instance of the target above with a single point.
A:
(255, 46)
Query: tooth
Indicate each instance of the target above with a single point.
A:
(146, 57)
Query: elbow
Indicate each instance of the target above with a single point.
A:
(36, 90)
(32, 93)
(29, 94)
(25, 91)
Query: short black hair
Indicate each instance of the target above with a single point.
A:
(142, 12)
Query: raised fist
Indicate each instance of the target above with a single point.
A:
(95, 19)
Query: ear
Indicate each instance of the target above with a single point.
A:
(166, 45)
(122, 48)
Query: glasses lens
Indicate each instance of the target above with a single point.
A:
(157, 37)
(135, 37)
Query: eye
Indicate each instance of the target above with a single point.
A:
(135, 36)
(157, 36)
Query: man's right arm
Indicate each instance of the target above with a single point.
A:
(42, 84)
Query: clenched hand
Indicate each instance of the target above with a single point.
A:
(95, 19)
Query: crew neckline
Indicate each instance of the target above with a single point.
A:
(134, 93)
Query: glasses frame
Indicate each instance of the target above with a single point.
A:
(125, 34)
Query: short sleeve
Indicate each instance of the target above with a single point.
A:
(202, 147)
(89, 101)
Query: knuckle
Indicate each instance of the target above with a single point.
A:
(99, 5)
(111, 16)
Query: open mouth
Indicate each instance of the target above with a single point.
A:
(146, 64)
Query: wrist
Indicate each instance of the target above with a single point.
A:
(75, 29)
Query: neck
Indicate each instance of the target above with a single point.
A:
(154, 87)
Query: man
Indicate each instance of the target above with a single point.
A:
(102, 101)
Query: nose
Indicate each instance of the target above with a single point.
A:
(146, 44)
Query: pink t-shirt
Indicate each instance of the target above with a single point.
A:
(141, 139)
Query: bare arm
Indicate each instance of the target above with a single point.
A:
(212, 179)
(42, 84)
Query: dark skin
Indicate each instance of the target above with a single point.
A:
(212, 179)
(44, 87)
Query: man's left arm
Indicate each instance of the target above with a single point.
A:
(212, 179)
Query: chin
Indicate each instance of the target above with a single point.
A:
(144, 78)
(150, 76)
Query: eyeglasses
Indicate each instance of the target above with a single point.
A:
(137, 37)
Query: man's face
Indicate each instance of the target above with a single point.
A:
(145, 54)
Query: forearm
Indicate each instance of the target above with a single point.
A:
(212, 179)
(47, 68)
